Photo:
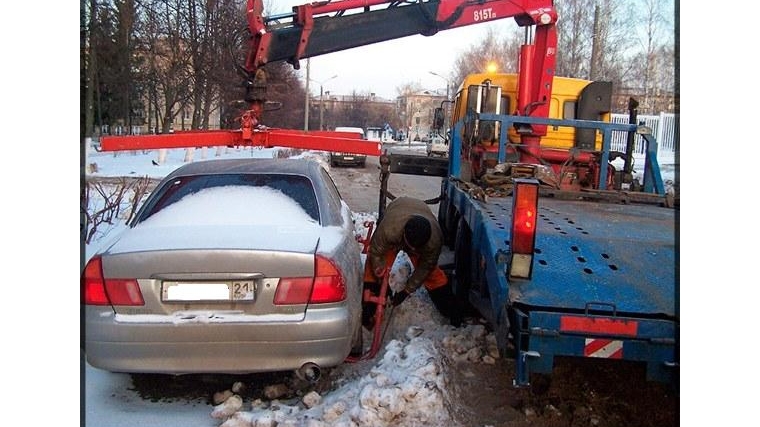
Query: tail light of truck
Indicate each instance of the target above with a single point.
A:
(524, 221)
(327, 285)
(97, 290)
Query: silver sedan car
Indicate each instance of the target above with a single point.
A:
(230, 266)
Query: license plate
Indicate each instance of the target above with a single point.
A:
(348, 158)
(243, 290)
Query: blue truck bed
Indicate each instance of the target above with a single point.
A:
(604, 281)
(621, 254)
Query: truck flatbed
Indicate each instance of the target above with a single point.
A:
(613, 253)
(603, 273)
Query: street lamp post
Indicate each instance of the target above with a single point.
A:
(321, 99)
(448, 84)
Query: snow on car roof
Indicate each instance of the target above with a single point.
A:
(228, 217)
(232, 205)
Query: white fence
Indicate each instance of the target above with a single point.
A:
(664, 128)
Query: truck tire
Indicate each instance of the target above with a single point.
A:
(502, 331)
(447, 219)
(462, 261)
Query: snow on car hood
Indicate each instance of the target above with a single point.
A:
(233, 217)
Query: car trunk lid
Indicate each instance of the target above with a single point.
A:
(214, 274)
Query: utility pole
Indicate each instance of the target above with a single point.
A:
(448, 83)
(321, 98)
(306, 102)
(321, 107)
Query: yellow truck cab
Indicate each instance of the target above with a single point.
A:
(496, 93)
(566, 92)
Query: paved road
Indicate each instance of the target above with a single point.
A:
(360, 187)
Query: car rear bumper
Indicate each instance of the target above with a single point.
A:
(348, 160)
(323, 337)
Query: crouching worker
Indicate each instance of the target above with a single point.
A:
(409, 225)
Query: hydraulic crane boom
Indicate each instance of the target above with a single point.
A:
(310, 31)
(323, 27)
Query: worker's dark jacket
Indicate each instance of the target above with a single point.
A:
(389, 237)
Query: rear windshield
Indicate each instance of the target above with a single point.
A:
(297, 187)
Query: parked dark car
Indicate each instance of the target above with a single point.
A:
(348, 159)
(230, 266)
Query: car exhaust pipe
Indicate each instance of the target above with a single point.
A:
(310, 372)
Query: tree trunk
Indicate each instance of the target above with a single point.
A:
(596, 47)
(87, 62)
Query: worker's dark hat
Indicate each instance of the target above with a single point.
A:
(417, 231)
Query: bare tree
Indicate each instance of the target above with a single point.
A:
(656, 59)
(575, 35)
(617, 25)
(87, 67)
(102, 203)
(102, 76)
(125, 64)
(602, 44)
(501, 51)
(169, 61)
(203, 48)
(168, 58)
(285, 93)
(230, 44)
(409, 88)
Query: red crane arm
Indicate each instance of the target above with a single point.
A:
(266, 138)
(310, 30)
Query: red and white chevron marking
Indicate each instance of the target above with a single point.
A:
(603, 348)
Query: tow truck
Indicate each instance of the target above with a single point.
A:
(553, 245)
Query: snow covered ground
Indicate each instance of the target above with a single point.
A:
(405, 385)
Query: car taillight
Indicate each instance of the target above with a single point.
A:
(524, 220)
(97, 290)
(293, 290)
(329, 285)
(93, 285)
(326, 286)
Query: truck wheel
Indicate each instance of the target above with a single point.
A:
(447, 219)
(442, 220)
(462, 261)
(502, 332)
